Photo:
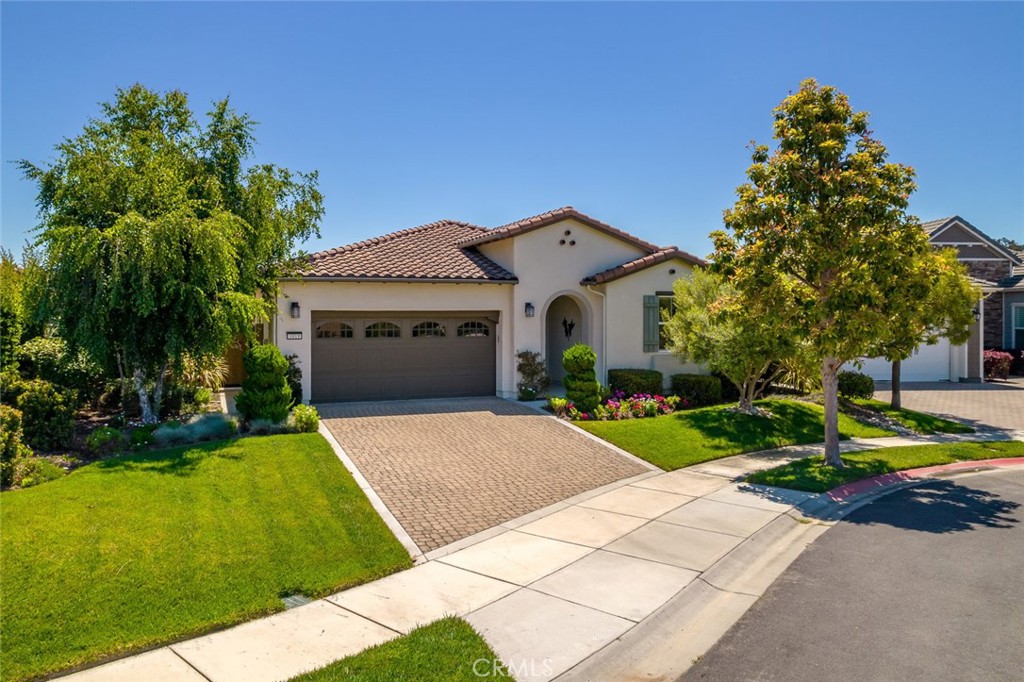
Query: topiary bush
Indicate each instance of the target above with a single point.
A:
(48, 415)
(697, 390)
(265, 393)
(856, 385)
(581, 387)
(12, 449)
(106, 441)
(636, 381)
(305, 418)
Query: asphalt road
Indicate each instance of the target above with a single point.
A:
(924, 584)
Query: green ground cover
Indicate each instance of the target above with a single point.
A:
(140, 549)
(692, 436)
(813, 476)
(448, 650)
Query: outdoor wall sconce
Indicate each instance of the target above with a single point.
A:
(977, 314)
(530, 310)
(295, 309)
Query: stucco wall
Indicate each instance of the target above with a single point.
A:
(626, 320)
(547, 270)
(398, 297)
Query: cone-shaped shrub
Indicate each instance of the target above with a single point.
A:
(265, 393)
(581, 387)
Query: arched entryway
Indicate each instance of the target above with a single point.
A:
(564, 325)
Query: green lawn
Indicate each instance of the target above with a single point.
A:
(811, 475)
(918, 421)
(141, 549)
(448, 650)
(692, 436)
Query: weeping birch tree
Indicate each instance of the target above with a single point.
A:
(157, 241)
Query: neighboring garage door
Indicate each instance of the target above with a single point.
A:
(390, 356)
(928, 363)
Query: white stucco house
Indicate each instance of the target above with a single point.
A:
(441, 310)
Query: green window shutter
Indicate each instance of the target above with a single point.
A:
(651, 324)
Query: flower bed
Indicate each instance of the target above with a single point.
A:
(619, 406)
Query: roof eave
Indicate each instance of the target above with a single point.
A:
(400, 280)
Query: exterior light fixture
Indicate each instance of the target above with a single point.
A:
(530, 310)
(295, 309)
(977, 314)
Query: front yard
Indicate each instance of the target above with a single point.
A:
(690, 437)
(811, 475)
(141, 549)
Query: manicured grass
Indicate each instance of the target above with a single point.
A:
(447, 650)
(918, 421)
(812, 475)
(692, 436)
(141, 549)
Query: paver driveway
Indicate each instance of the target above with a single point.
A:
(997, 404)
(450, 468)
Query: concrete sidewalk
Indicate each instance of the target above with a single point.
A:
(567, 590)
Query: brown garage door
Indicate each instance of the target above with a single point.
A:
(390, 356)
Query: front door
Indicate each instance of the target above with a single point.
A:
(564, 328)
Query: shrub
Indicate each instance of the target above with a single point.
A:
(36, 470)
(171, 434)
(636, 381)
(48, 415)
(581, 387)
(11, 386)
(305, 418)
(856, 385)
(997, 364)
(106, 441)
(265, 427)
(558, 405)
(213, 426)
(12, 449)
(49, 359)
(697, 390)
(141, 437)
(294, 378)
(534, 374)
(265, 393)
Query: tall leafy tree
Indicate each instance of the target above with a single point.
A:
(823, 218)
(937, 301)
(158, 241)
(11, 307)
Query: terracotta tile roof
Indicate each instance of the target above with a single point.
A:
(544, 219)
(429, 252)
(641, 263)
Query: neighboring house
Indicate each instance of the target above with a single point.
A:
(999, 274)
(441, 310)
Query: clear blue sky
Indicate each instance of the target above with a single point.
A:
(635, 113)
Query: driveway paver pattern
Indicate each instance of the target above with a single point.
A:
(450, 468)
(996, 404)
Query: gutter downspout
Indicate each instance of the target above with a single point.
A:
(604, 334)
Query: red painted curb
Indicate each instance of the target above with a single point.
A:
(848, 490)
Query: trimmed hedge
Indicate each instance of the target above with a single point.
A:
(634, 381)
(856, 385)
(697, 390)
(47, 415)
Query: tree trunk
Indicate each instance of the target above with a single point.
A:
(746, 404)
(145, 406)
(158, 392)
(830, 386)
(896, 400)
